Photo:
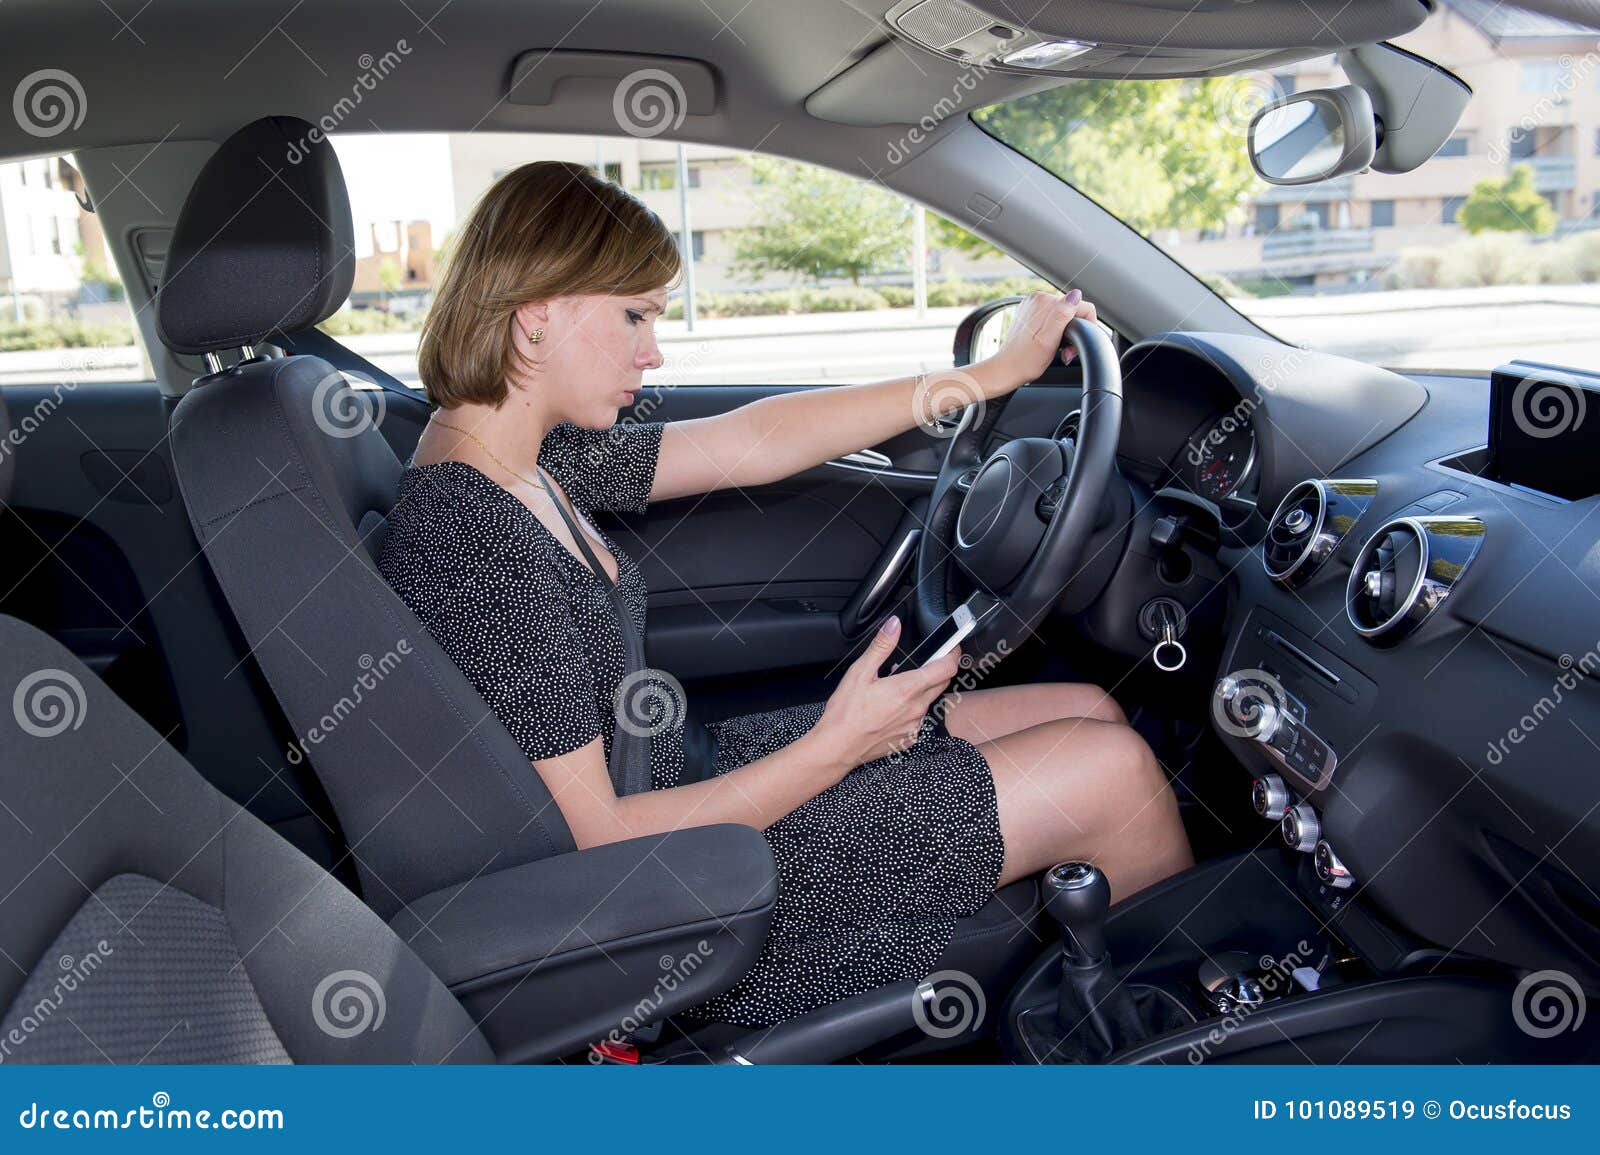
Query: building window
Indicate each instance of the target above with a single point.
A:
(1448, 209)
(658, 176)
(1455, 146)
(697, 243)
(694, 176)
(1320, 212)
(1266, 218)
(1597, 142)
(1383, 214)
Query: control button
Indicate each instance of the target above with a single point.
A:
(1270, 797)
(1333, 872)
(1301, 828)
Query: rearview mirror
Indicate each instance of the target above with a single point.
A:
(1312, 136)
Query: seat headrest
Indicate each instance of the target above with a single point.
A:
(264, 243)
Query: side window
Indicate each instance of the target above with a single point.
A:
(63, 314)
(801, 274)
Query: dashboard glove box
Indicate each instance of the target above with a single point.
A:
(551, 955)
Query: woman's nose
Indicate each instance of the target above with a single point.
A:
(649, 356)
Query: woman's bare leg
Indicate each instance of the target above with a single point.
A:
(1086, 789)
(984, 715)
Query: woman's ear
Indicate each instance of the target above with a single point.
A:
(533, 315)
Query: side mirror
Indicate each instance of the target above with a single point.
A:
(1312, 136)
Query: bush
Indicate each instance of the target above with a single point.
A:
(898, 296)
(32, 335)
(841, 299)
(1488, 259)
(1221, 285)
(1416, 268)
(1585, 253)
(347, 322)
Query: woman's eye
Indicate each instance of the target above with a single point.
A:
(634, 316)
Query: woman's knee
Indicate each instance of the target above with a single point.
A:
(1086, 700)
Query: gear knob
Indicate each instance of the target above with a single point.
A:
(1078, 896)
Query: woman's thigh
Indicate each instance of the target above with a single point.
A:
(984, 715)
(1083, 788)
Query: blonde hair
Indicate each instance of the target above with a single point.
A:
(546, 229)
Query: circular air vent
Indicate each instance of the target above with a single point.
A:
(1292, 532)
(1387, 578)
(1310, 522)
(1070, 424)
(1406, 571)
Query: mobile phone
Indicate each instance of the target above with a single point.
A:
(944, 638)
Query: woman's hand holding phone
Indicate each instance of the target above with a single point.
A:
(868, 715)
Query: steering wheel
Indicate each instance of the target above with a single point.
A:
(1017, 523)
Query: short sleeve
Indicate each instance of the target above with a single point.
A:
(608, 469)
(509, 628)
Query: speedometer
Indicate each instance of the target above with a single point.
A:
(1222, 458)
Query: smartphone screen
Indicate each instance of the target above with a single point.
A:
(940, 642)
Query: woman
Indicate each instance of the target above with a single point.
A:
(885, 830)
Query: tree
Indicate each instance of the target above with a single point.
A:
(1157, 153)
(949, 235)
(1512, 205)
(815, 222)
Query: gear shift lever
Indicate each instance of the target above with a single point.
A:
(1096, 1015)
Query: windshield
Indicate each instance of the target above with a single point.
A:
(1488, 252)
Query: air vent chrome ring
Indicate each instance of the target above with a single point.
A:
(1309, 524)
(1390, 591)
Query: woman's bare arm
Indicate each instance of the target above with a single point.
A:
(781, 435)
(866, 717)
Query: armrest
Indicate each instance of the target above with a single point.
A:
(551, 955)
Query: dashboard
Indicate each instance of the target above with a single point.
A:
(1409, 648)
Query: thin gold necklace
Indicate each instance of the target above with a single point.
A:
(549, 489)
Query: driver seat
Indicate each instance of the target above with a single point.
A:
(287, 478)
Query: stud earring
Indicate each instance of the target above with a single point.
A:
(535, 336)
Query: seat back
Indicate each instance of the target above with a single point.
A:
(147, 918)
(287, 477)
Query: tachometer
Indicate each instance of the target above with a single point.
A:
(1222, 458)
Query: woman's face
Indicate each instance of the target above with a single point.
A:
(594, 354)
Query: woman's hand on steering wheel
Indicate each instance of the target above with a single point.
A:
(869, 716)
(1038, 332)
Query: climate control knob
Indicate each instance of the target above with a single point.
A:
(1301, 828)
(1270, 797)
(1333, 872)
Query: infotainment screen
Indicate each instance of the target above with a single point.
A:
(1544, 429)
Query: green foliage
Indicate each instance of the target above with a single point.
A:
(347, 322)
(817, 223)
(31, 335)
(1160, 154)
(946, 234)
(1511, 205)
(389, 278)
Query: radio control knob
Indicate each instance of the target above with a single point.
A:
(1270, 797)
(1333, 872)
(1264, 726)
(1301, 828)
(1228, 688)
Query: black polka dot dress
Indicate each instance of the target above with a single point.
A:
(873, 872)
